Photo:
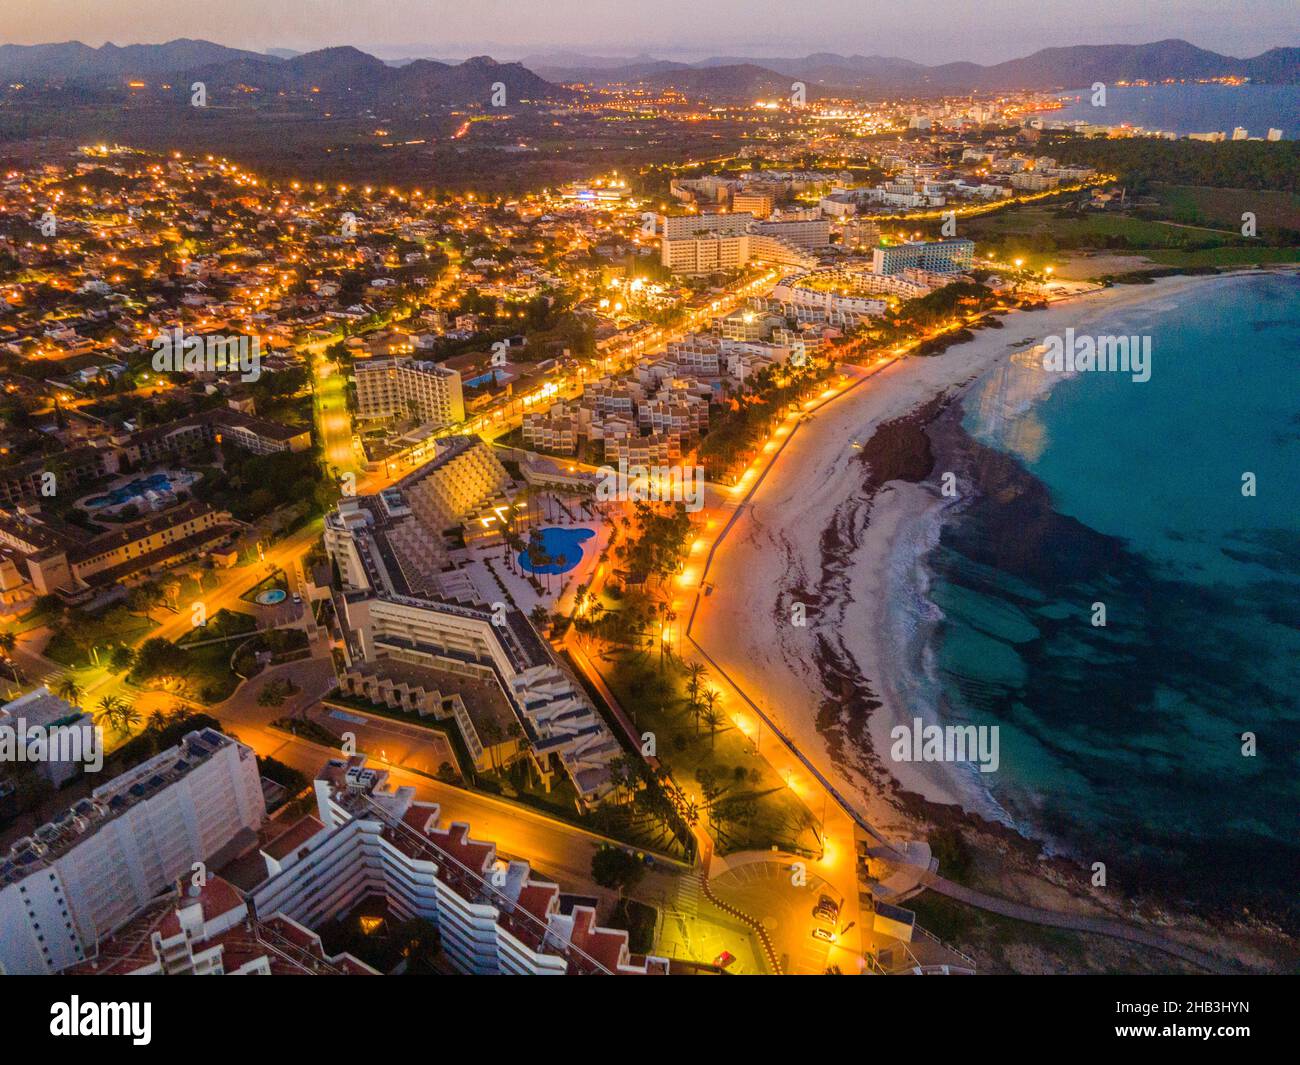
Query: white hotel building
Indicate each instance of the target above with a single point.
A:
(402, 600)
(77, 879)
(392, 387)
(493, 916)
(712, 243)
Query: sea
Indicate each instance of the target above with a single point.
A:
(1118, 590)
(1184, 109)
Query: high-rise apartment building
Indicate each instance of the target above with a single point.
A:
(395, 387)
(77, 879)
(936, 256)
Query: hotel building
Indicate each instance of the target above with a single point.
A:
(209, 930)
(404, 607)
(81, 466)
(935, 256)
(494, 917)
(93, 868)
(67, 559)
(394, 387)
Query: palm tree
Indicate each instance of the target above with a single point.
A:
(69, 690)
(514, 544)
(7, 641)
(710, 715)
(695, 675)
(109, 713)
(128, 717)
(492, 736)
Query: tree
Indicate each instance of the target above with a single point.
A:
(538, 615)
(143, 598)
(491, 737)
(158, 657)
(69, 690)
(694, 682)
(117, 714)
(122, 658)
(7, 642)
(710, 714)
(615, 868)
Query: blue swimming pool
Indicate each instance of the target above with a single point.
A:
(158, 482)
(562, 545)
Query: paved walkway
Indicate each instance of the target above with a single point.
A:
(705, 844)
(990, 903)
(1077, 922)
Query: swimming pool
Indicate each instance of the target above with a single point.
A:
(271, 596)
(157, 483)
(562, 545)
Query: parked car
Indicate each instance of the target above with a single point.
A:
(823, 935)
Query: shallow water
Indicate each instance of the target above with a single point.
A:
(1123, 743)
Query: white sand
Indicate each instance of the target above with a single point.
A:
(774, 552)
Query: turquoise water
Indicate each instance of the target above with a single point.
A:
(562, 546)
(1123, 743)
(1186, 109)
(272, 596)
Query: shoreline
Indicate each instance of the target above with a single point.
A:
(819, 532)
(845, 523)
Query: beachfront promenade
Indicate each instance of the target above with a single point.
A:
(843, 810)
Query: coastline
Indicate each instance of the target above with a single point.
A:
(846, 522)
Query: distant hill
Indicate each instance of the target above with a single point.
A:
(341, 71)
(1081, 65)
(1071, 67)
(75, 62)
(354, 74)
(427, 81)
(739, 81)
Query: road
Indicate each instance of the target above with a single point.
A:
(556, 850)
(333, 421)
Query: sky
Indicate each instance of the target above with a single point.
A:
(928, 31)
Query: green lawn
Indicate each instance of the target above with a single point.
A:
(275, 580)
(208, 677)
(1199, 205)
(73, 639)
(764, 811)
(222, 624)
(1225, 256)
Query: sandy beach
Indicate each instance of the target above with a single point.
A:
(841, 524)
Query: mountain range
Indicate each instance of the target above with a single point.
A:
(1071, 67)
(350, 72)
(341, 71)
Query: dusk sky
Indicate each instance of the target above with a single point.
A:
(925, 30)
